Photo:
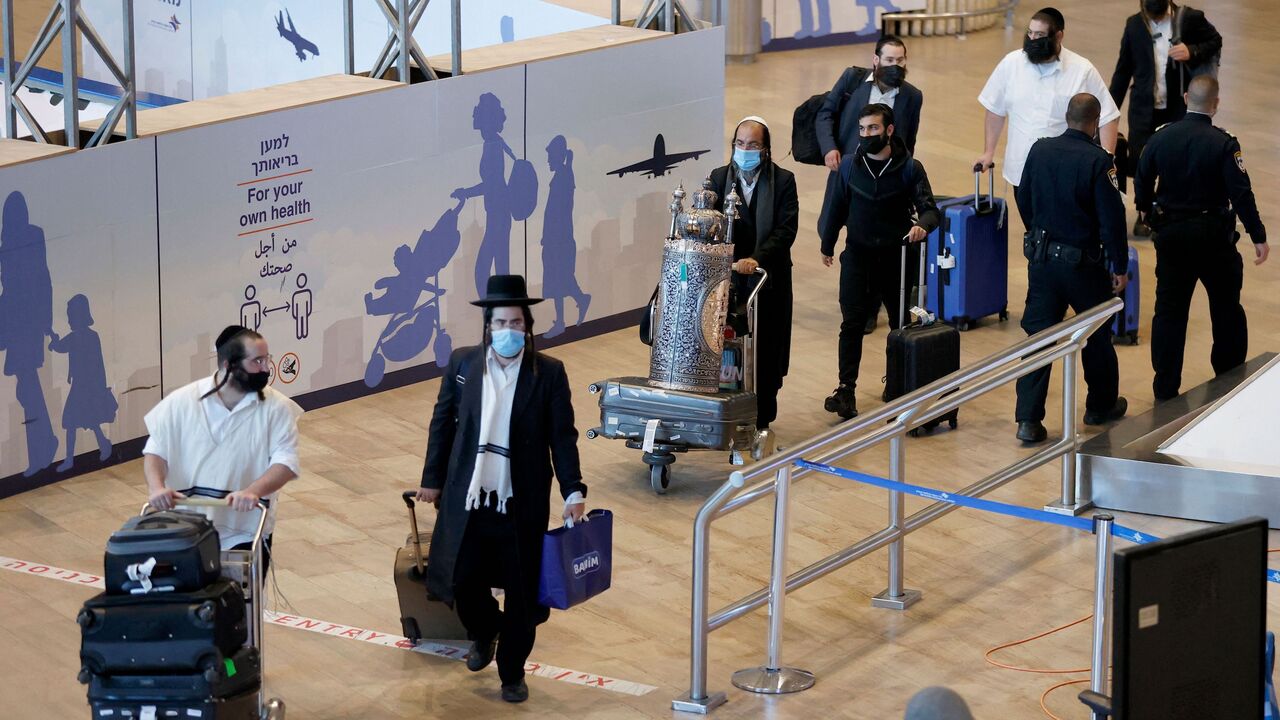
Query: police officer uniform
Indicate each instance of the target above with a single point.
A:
(1202, 187)
(1075, 242)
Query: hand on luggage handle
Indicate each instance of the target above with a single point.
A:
(195, 502)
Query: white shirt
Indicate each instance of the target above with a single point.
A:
(748, 186)
(880, 97)
(1034, 100)
(212, 451)
(1161, 34)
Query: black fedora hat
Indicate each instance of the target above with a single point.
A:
(506, 291)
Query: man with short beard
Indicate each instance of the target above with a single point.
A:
(1031, 88)
(225, 436)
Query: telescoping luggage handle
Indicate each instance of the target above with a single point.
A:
(977, 185)
(902, 292)
(409, 496)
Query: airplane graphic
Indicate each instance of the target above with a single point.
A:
(661, 163)
(301, 45)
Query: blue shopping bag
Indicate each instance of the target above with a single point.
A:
(1270, 711)
(577, 562)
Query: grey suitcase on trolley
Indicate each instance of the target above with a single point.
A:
(721, 421)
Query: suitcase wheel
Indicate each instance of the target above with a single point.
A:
(963, 325)
(1004, 314)
(952, 423)
(660, 478)
(409, 626)
(1133, 338)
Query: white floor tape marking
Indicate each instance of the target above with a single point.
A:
(298, 622)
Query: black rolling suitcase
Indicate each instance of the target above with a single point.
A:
(172, 551)
(228, 690)
(421, 615)
(692, 420)
(917, 355)
(167, 632)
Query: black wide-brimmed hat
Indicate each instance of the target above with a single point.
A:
(506, 291)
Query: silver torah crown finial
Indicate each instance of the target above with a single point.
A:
(731, 204)
(676, 207)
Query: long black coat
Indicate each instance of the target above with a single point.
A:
(838, 129)
(542, 437)
(765, 231)
(1136, 65)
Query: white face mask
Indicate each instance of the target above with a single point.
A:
(507, 342)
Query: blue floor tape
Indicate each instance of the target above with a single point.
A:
(991, 506)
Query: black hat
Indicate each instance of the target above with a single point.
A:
(506, 291)
(1058, 19)
(228, 334)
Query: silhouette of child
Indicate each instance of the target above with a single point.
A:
(90, 404)
(401, 290)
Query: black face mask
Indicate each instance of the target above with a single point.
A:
(891, 75)
(873, 144)
(251, 382)
(1040, 50)
(1155, 8)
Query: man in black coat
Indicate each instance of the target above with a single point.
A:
(1178, 41)
(882, 198)
(503, 420)
(885, 82)
(763, 234)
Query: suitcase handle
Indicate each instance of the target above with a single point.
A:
(409, 496)
(977, 180)
(902, 293)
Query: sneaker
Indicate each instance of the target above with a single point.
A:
(841, 402)
(516, 693)
(480, 655)
(1031, 431)
(1115, 413)
(870, 327)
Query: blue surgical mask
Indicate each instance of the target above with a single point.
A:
(507, 342)
(747, 160)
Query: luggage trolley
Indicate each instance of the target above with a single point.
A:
(663, 422)
(245, 567)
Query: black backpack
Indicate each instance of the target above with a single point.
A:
(805, 147)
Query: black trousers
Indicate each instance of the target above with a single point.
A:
(1052, 287)
(869, 276)
(1138, 136)
(1200, 249)
(489, 558)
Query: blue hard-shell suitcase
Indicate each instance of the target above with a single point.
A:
(975, 229)
(1125, 324)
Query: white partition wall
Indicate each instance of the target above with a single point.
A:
(79, 318)
(352, 233)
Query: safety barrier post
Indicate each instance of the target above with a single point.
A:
(895, 597)
(1101, 656)
(1069, 503)
(773, 678)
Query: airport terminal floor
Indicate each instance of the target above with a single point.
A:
(986, 579)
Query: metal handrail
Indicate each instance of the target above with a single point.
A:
(890, 422)
(1007, 8)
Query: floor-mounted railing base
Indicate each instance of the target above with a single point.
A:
(1060, 508)
(702, 706)
(773, 681)
(900, 602)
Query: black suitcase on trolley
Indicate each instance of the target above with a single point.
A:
(917, 355)
(228, 690)
(184, 546)
(687, 419)
(166, 632)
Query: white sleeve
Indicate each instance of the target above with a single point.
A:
(994, 95)
(284, 436)
(159, 428)
(1095, 86)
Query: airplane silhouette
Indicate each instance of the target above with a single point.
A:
(301, 45)
(661, 163)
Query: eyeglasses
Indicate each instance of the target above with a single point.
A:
(753, 145)
(500, 324)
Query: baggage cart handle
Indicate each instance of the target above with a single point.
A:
(749, 373)
(198, 502)
(409, 496)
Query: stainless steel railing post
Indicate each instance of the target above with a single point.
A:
(895, 596)
(1101, 655)
(773, 678)
(1069, 503)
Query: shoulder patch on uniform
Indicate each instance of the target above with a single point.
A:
(1115, 182)
(1240, 162)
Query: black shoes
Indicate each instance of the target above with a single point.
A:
(872, 321)
(1141, 229)
(516, 693)
(1032, 431)
(479, 656)
(1115, 413)
(841, 402)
